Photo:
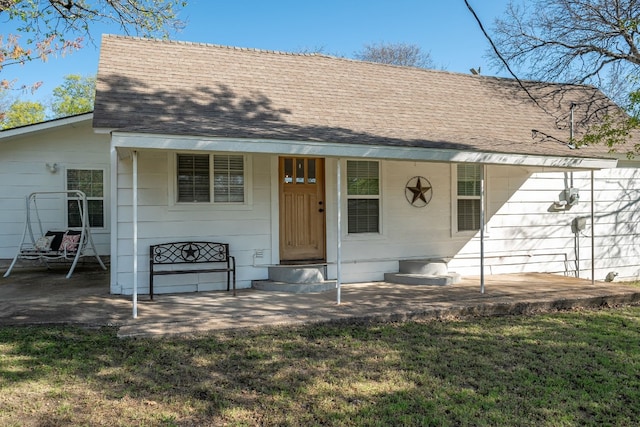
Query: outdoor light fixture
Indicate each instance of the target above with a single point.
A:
(568, 198)
(572, 196)
(53, 167)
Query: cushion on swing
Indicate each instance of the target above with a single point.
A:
(43, 243)
(57, 239)
(70, 241)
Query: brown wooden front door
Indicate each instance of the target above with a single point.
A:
(302, 209)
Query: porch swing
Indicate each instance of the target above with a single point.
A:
(68, 245)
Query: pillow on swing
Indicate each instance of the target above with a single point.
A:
(57, 239)
(70, 242)
(43, 243)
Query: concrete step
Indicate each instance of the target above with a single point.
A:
(297, 279)
(422, 279)
(312, 273)
(295, 288)
(432, 267)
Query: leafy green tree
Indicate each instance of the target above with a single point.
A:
(22, 113)
(45, 28)
(51, 27)
(5, 101)
(74, 96)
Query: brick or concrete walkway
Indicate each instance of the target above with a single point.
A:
(29, 297)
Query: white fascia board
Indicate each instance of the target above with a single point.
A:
(51, 124)
(102, 131)
(629, 163)
(328, 149)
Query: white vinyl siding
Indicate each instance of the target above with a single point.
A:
(524, 235)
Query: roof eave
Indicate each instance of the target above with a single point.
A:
(133, 141)
(43, 126)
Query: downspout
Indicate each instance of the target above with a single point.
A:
(482, 197)
(571, 136)
(576, 243)
(571, 124)
(339, 237)
(135, 234)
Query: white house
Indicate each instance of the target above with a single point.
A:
(310, 159)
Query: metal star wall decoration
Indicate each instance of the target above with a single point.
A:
(418, 191)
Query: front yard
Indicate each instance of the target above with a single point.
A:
(564, 369)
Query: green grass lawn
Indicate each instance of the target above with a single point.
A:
(563, 369)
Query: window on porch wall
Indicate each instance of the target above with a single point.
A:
(468, 197)
(363, 196)
(228, 178)
(91, 183)
(194, 173)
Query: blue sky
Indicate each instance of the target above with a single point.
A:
(445, 28)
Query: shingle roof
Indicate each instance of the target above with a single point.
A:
(178, 88)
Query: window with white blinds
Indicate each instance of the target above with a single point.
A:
(468, 196)
(363, 196)
(194, 184)
(228, 178)
(193, 178)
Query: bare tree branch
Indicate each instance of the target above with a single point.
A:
(575, 41)
(403, 54)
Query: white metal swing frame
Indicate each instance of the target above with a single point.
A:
(27, 249)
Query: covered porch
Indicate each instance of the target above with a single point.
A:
(45, 297)
(129, 149)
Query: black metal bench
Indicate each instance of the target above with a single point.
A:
(214, 258)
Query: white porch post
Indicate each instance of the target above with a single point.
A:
(135, 234)
(593, 233)
(113, 195)
(482, 200)
(339, 231)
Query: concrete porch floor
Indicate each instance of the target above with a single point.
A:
(32, 296)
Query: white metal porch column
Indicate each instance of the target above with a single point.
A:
(339, 237)
(482, 221)
(135, 234)
(593, 232)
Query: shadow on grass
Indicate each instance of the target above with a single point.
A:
(578, 368)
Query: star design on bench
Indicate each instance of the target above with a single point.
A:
(418, 191)
(190, 252)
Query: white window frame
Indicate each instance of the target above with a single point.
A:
(173, 182)
(455, 197)
(348, 197)
(89, 198)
